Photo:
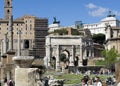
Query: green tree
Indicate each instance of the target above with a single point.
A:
(62, 57)
(110, 57)
(98, 38)
(61, 31)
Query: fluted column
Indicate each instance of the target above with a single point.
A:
(81, 56)
(48, 55)
(72, 56)
(57, 59)
(84, 55)
(90, 52)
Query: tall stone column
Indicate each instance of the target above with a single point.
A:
(11, 32)
(81, 56)
(72, 56)
(57, 58)
(19, 44)
(1, 47)
(5, 44)
(84, 55)
(90, 53)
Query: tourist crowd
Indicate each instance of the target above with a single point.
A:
(96, 81)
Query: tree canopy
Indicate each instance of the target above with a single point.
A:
(98, 38)
(110, 57)
(61, 31)
(62, 57)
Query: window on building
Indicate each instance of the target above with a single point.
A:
(8, 11)
(26, 26)
(8, 3)
(26, 44)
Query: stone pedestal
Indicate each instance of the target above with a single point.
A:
(27, 77)
(10, 55)
(24, 75)
(23, 61)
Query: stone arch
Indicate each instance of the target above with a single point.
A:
(66, 52)
(67, 57)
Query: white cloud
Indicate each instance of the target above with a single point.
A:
(98, 12)
(91, 6)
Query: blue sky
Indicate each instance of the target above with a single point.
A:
(67, 11)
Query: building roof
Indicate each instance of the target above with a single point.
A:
(109, 19)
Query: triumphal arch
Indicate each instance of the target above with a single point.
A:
(74, 47)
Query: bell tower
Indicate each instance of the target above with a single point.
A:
(7, 8)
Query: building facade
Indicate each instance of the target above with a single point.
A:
(100, 26)
(33, 31)
(112, 38)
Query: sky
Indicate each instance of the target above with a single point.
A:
(66, 11)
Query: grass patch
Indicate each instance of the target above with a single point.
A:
(74, 78)
(100, 62)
